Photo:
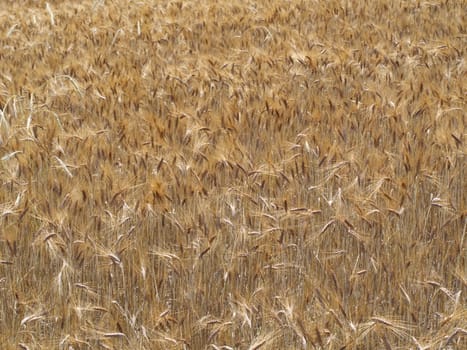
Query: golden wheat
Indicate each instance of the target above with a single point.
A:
(233, 174)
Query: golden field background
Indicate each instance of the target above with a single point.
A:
(233, 174)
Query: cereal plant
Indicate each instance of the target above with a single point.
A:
(233, 174)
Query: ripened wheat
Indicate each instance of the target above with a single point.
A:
(233, 174)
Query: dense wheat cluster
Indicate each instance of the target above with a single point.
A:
(233, 174)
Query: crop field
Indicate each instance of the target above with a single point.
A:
(235, 174)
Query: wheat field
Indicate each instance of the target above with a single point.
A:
(233, 174)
